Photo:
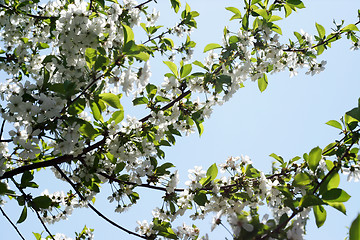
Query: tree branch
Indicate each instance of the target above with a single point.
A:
(12, 224)
(29, 201)
(92, 207)
(26, 14)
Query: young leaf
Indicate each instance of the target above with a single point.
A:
(354, 233)
(172, 67)
(111, 99)
(41, 202)
(96, 110)
(336, 195)
(351, 27)
(320, 215)
(128, 33)
(332, 181)
(321, 30)
(200, 198)
(334, 124)
(23, 215)
(211, 46)
(212, 171)
(263, 13)
(262, 83)
(314, 158)
(278, 158)
(310, 200)
(185, 70)
(175, 5)
(337, 205)
(88, 130)
(302, 179)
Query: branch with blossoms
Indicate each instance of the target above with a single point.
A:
(68, 76)
(314, 185)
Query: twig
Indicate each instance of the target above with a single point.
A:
(26, 14)
(92, 207)
(320, 43)
(142, 4)
(280, 226)
(32, 206)
(12, 224)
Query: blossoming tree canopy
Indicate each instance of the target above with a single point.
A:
(71, 64)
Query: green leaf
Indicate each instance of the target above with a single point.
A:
(310, 200)
(41, 202)
(111, 99)
(301, 179)
(329, 150)
(350, 27)
(26, 178)
(233, 10)
(143, 56)
(251, 172)
(245, 21)
(200, 198)
(337, 205)
(334, 124)
(90, 57)
(274, 18)
(275, 28)
(37, 236)
(295, 3)
(336, 195)
(172, 67)
(161, 99)
(321, 30)
(117, 116)
(197, 63)
(354, 232)
(332, 181)
(263, 13)
(77, 107)
(128, 33)
(96, 110)
(42, 45)
(288, 10)
(200, 127)
(88, 130)
(320, 215)
(237, 13)
(175, 5)
(185, 70)
(278, 158)
(4, 189)
(151, 89)
(140, 100)
(262, 83)
(354, 113)
(23, 215)
(101, 61)
(212, 171)
(314, 158)
(211, 46)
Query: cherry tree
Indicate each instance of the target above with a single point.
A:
(71, 64)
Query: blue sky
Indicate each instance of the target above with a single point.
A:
(287, 119)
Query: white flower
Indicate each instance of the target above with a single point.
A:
(353, 173)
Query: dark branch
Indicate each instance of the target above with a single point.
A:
(12, 224)
(92, 207)
(29, 201)
(26, 14)
(144, 3)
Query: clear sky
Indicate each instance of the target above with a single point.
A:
(287, 119)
